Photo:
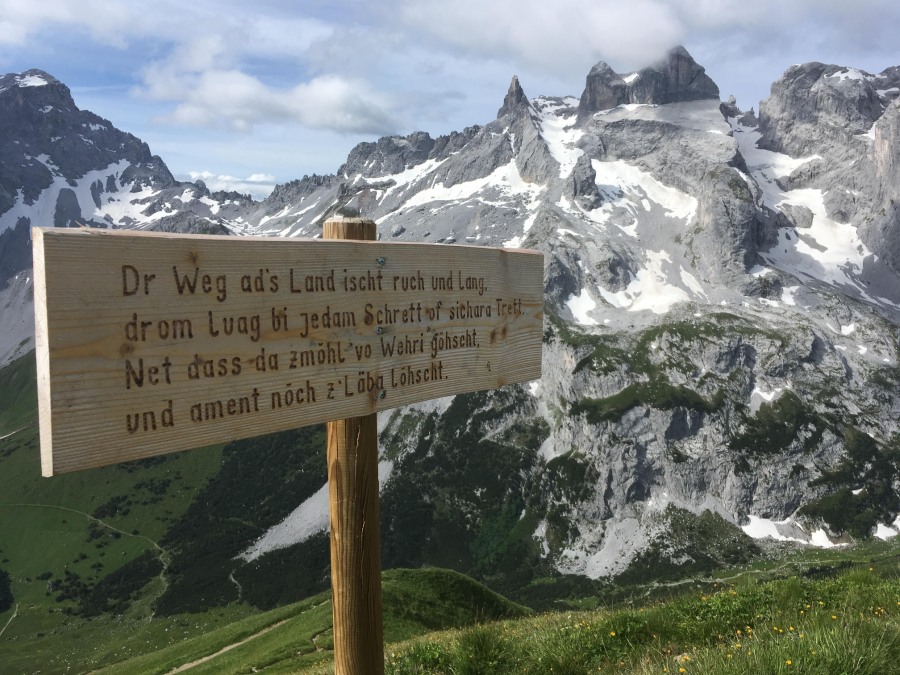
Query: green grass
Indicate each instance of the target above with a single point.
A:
(776, 425)
(18, 394)
(654, 394)
(292, 637)
(439, 621)
(847, 624)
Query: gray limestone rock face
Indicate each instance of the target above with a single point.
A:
(611, 269)
(886, 152)
(514, 101)
(451, 143)
(814, 106)
(15, 251)
(730, 227)
(730, 108)
(883, 230)
(488, 150)
(800, 216)
(676, 78)
(603, 89)
(388, 155)
(584, 184)
(68, 212)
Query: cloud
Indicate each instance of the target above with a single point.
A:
(298, 73)
(209, 60)
(109, 23)
(559, 36)
(238, 101)
(553, 37)
(258, 185)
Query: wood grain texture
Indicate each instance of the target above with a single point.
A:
(354, 515)
(355, 522)
(152, 343)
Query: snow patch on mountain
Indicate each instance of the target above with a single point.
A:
(886, 532)
(123, 207)
(786, 530)
(651, 289)
(849, 74)
(31, 81)
(765, 165)
(628, 186)
(581, 306)
(557, 120)
(494, 189)
(308, 519)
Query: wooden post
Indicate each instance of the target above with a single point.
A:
(355, 522)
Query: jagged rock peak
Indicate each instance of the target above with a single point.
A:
(604, 88)
(675, 78)
(387, 155)
(35, 86)
(839, 102)
(515, 99)
(30, 78)
(683, 80)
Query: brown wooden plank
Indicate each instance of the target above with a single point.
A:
(152, 343)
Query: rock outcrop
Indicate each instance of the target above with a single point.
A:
(677, 78)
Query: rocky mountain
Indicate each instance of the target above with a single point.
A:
(66, 167)
(721, 352)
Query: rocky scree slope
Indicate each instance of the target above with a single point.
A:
(721, 352)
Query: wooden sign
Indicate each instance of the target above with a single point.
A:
(151, 343)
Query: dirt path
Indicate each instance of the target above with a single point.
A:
(13, 433)
(228, 648)
(192, 664)
(15, 614)
(240, 589)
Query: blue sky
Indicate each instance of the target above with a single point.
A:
(246, 95)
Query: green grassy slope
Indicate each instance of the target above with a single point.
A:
(821, 623)
(824, 615)
(298, 635)
(61, 537)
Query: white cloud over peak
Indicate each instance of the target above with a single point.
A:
(558, 36)
(555, 37)
(292, 84)
(258, 185)
(238, 101)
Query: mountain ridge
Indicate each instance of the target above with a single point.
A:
(722, 315)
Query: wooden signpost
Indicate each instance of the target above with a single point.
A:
(152, 343)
